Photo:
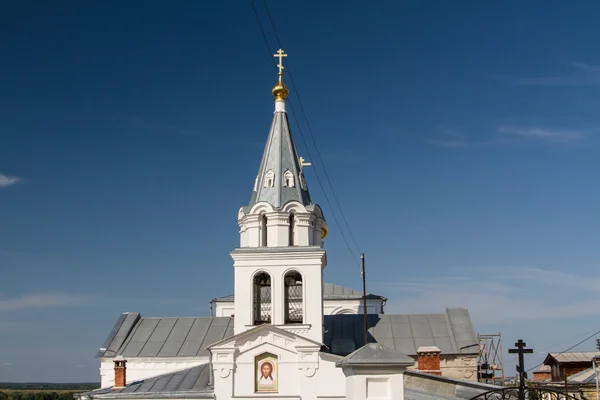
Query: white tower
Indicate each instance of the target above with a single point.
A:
(279, 264)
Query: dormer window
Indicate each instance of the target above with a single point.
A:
(269, 179)
(288, 179)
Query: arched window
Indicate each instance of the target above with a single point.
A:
(293, 297)
(292, 229)
(263, 230)
(262, 298)
(288, 179)
(269, 179)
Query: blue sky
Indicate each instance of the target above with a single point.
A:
(460, 137)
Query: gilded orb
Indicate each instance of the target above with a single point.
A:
(280, 91)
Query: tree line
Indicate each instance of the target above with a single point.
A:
(37, 395)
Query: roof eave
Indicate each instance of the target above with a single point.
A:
(209, 394)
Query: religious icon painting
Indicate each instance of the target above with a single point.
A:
(266, 372)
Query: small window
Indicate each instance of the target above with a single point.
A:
(263, 230)
(288, 179)
(269, 179)
(292, 229)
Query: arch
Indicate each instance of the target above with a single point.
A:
(288, 179)
(529, 393)
(293, 206)
(261, 298)
(293, 293)
(263, 230)
(269, 179)
(261, 206)
(315, 209)
(345, 311)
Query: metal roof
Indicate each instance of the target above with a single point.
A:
(451, 332)
(375, 354)
(280, 156)
(578, 356)
(584, 377)
(133, 336)
(194, 380)
(330, 292)
(411, 394)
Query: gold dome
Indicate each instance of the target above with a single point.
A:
(280, 91)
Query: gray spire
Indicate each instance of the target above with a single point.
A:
(280, 177)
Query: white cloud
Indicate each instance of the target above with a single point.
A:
(40, 300)
(499, 295)
(553, 135)
(6, 180)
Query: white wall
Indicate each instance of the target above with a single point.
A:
(304, 373)
(368, 383)
(308, 263)
(146, 367)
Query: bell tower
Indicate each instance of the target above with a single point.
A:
(279, 264)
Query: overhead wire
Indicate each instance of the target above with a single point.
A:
(570, 348)
(349, 247)
(297, 93)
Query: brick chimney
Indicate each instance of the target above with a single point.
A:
(428, 360)
(120, 373)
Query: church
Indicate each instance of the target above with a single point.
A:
(285, 333)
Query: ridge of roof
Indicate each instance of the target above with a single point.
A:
(375, 354)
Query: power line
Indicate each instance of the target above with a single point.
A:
(297, 93)
(572, 347)
(305, 143)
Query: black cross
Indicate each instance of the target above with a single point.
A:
(521, 350)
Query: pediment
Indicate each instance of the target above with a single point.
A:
(262, 335)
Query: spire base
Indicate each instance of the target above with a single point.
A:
(279, 106)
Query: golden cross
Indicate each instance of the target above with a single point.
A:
(303, 163)
(280, 54)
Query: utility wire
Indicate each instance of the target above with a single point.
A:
(572, 347)
(304, 140)
(297, 93)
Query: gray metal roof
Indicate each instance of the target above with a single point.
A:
(411, 394)
(451, 332)
(375, 354)
(192, 382)
(330, 292)
(576, 356)
(134, 336)
(423, 386)
(586, 376)
(280, 155)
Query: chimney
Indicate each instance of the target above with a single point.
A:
(120, 375)
(428, 360)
